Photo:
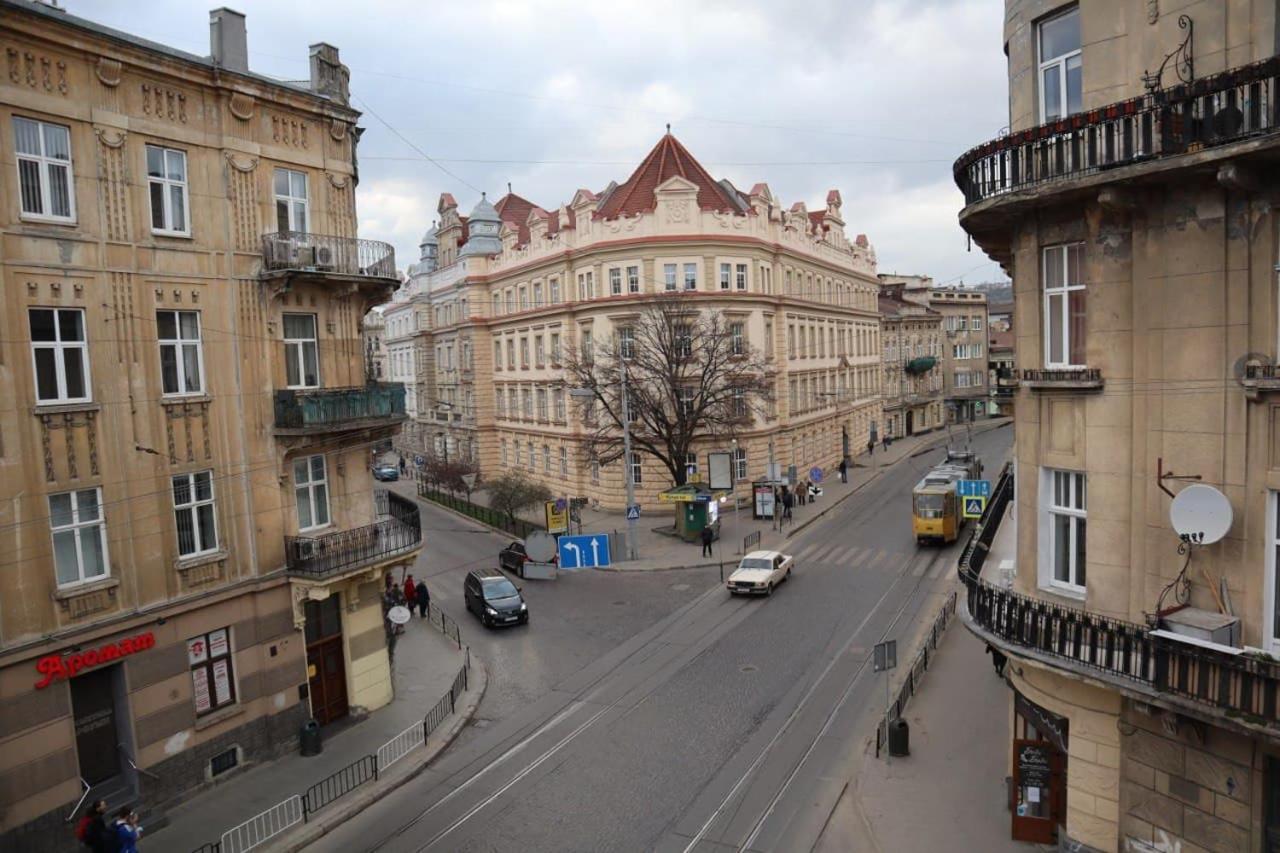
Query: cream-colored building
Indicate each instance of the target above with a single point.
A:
(912, 356)
(1137, 219)
(508, 288)
(186, 510)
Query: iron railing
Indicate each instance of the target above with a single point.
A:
(481, 513)
(442, 621)
(1227, 107)
(1241, 686)
(318, 556)
(339, 408)
(1063, 374)
(339, 784)
(911, 682)
(296, 250)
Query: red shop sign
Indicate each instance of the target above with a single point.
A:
(61, 667)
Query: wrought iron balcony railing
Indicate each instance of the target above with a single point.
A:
(1127, 654)
(296, 250)
(400, 532)
(327, 409)
(1227, 107)
(1063, 377)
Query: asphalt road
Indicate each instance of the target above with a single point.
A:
(723, 724)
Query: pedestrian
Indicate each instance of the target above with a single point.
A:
(788, 500)
(410, 591)
(844, 471)
(885, 440)
(402, 466)
(708, 536)
(871, 447)
(92, 831)
(998, 660)
(127, 831)
(424, 599)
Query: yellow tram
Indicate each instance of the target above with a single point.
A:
(936, 514)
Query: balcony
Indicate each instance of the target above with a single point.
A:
(1236, 105)
(1260, 379)
(332, 410)
(369, 265)
(323, 557)
(1221, 684)
(1063, 379)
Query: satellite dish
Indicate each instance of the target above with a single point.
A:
(540, 546)
(399, 614)
(1200, 514)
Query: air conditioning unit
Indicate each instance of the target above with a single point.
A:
(280, 254)
(1204, 625)
(324, 258)
(305, 257)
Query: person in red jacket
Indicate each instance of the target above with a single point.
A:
(410, 590)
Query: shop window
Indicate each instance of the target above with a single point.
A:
(212, 673)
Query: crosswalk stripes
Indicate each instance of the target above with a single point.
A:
(822, 555)
(845, 556)
(808, 549)
(940, 567)
(878, 559)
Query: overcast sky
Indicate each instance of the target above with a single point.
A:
(873, 97)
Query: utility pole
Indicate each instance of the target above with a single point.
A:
(629, 476)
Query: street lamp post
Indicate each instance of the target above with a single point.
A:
(627, 476)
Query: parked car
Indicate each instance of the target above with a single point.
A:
(386, 473)
(491, 596)
(513, 557)
(759, 572)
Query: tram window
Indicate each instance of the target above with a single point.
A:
(929, 506)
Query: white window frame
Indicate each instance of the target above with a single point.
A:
(737, 338)
(311, 485)
(740, 277)
(1063, 292)
(626, 343)
(60, 349)
(615, 281)
(80, 529)
(191, 507)
(1271, 625)
(690, 276)
(299, 347)
(564, 461)
(637, 469)
(179, 345)
(633, 279)
(558, 396)
(1059, 62)
(740, 464)
(671, 276)
(167, 186)
(293, 203)
(44, 163)
(546, 459)
(1048, 511)
(726, 276)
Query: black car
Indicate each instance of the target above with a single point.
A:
(513, 557)
(495, 599)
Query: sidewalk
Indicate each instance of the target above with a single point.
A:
(426, 663)
(658, 551)
(949, 793)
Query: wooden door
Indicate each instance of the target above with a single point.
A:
(93, 705)
(328, 682)
(1039, 791)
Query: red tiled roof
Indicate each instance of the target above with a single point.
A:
(815, 219)
(514, 210)
(667, 159)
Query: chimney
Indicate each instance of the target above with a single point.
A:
(228, 43)
(328, 75)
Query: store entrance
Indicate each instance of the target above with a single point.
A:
(1039, 791)
(325, 660)
(93, 706)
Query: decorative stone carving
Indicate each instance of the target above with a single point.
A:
(337, 130)
(241, 167)
(338, 181)
(678, 210)
(104, 135)
(1153, 11)
(159, 102)
(289, 131)
(37, 71)
(241, 106)
(109, 71)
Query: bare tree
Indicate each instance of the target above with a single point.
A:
(448, 473)
(692, 380)
(512, 492)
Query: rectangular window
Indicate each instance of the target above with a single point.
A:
(555, 347)
(533, 459)
(212, 677)
(526, 404)
(977, 324)
(737, 341)
(669, 276)
(524, 353)
(291, 201)
(79, 536)
(301, 351)
(1064, 499)
(626, 342)
(587, 354)
(546, 459)
(193, 511)
(502, 448)
(564, 462)
(60, 354)
(690, 467)
(537, 294)
(1061, 73)
(497, 303)
(511, 354)
(519, 453)
(726, 273)
(539, 352)
(740, 277)
(167, 183)
(524, 297)
(497, 355)
(740, 464)
(687, 398)
(633, 279)
(636, 469)
(43, 153)
(1272, 615)
(181, 358)
(542, 404)
(683, 342)
(615, 282)
(500, 402)
(595, 471)
(739, 400)
(555, 290)
(690, 276)
(559, 404)
(311, 489)
(1064, 306)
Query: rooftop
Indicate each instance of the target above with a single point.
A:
(667, 160)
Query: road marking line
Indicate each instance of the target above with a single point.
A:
(878, 558)
(821, 554)
(807, 549)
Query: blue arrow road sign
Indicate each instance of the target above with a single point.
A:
(975, 488)
(584, 552)
(633, 512)
(815, 474)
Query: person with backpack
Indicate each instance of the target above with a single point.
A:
(93, 832)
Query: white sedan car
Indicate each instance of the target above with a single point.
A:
(760, 572)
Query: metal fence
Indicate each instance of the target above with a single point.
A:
(345, 407)
(911, 683)
(211, 847)
(447, 626)
(486, 515)
(298, 250)
(339, 784)
(751, 540)
(317, 556)
(262, 827)
(400, 745)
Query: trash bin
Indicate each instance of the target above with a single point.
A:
(899, 738)
(309, 737)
